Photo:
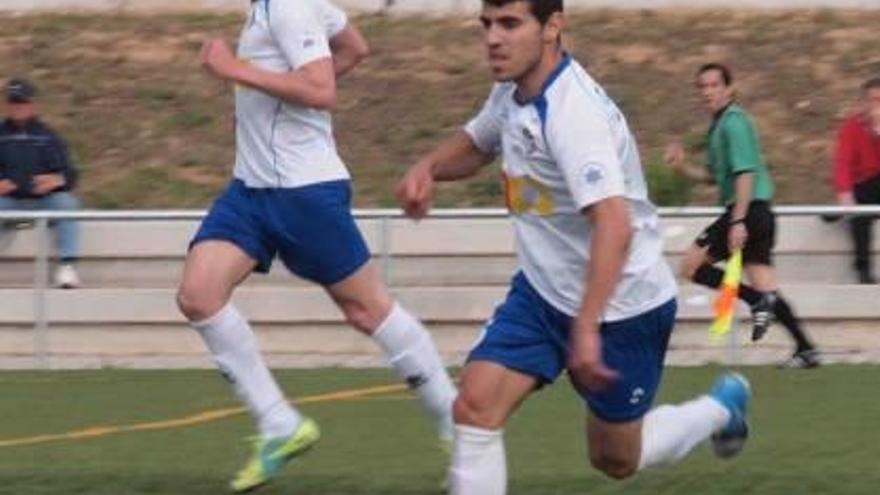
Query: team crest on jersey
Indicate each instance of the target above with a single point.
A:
(593, 174)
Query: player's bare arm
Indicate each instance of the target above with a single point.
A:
(312, 85)
(455, 158)
(676, 157)
(349, 49)
(609, 248)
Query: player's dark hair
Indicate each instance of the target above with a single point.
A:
(726, 74)
(873, 83)
(541, 9)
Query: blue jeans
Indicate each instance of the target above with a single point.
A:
(66, 230)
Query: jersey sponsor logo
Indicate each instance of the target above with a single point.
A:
(524, 194)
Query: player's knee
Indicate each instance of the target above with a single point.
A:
(614, 467)
(198, 305)
(471, 411)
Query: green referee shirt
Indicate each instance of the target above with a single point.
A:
(735, 148)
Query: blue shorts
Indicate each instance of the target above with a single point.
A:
(528, 335)
(310, 228)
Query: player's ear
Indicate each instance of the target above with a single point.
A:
(553, 27)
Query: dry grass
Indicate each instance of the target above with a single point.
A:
(150, 129)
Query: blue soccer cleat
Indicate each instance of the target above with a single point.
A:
(732, 391)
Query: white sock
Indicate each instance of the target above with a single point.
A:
(479, 465)
(670, 432)
(411, 351)
(232, 344)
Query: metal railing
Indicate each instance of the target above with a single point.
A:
(42, 219)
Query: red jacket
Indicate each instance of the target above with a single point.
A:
(857, 158)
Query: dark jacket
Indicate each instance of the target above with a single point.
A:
(33, 149)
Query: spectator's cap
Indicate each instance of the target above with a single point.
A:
(20, 90)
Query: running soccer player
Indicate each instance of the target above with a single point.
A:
(291, 197)
(593, 294)
(748, 223)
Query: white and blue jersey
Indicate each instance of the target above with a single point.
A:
(562, 151)
(291, 194)
(279, 143)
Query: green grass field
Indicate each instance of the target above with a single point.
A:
(813, 433)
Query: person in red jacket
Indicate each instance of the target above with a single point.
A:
(857, 172)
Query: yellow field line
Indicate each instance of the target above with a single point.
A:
(195, 419)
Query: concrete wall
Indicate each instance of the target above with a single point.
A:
(408, 6)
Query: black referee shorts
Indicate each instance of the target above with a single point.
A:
(761, 226)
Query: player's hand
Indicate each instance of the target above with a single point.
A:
(846, 199)
(415, 191)
(45, 183)
(737, 236)
(585, 359)
(7, 187)
(217, 58)
(674, 155)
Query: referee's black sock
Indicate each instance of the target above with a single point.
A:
(785, 315)
(712, 277)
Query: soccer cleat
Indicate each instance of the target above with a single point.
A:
(802, 360)
(271, 454)
(732, 391)
(762, 316)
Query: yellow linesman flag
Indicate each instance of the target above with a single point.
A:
(725, 303)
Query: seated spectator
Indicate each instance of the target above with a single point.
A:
(36, 173)
(857, 172)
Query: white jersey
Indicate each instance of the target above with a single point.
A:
(278, 143)
(564, 150)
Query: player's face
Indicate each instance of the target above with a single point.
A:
(514, 40)
(716, 94)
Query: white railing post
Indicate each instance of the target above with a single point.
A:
(41, 284)
(385, 247)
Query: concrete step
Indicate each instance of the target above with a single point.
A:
(433, 252)
(460, 270)
(174, 345)
(434, 236)
(165, 272)
(433, 304)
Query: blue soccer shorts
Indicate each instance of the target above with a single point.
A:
(528, 335)
(310, 228)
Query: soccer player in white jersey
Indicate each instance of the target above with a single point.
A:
(593, 294)
(291, 197)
